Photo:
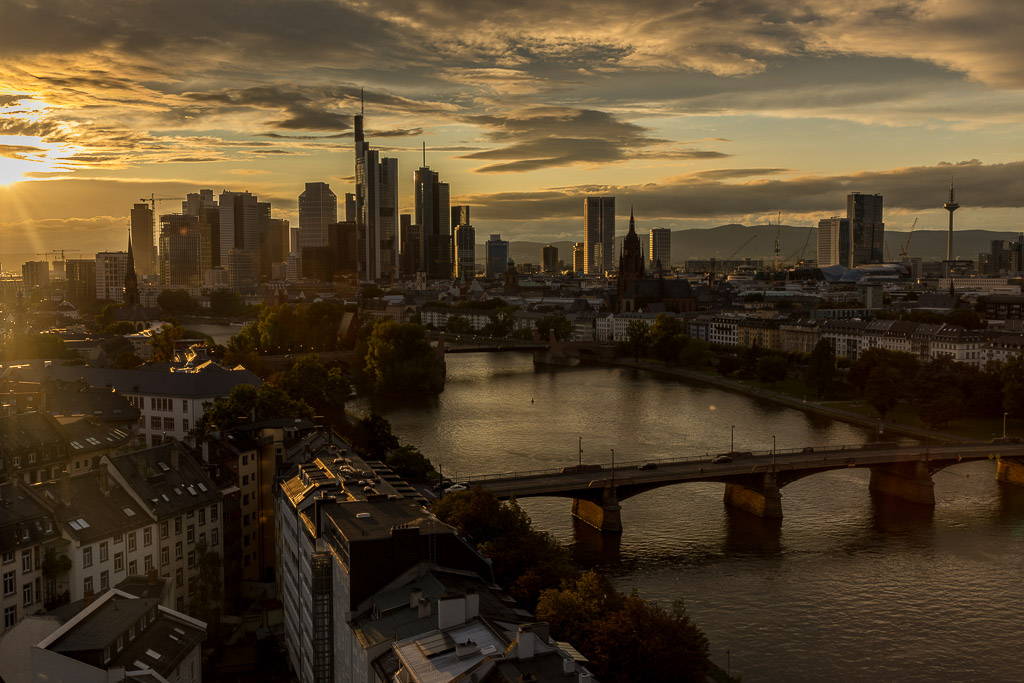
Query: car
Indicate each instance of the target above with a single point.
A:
(721, 458)
(648, 466)
(456, 488)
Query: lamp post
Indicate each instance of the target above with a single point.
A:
(581, 452)
(613, 468)
(732, 440)
(1004, 425)
(773, 452)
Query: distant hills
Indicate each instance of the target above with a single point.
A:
(758, 241)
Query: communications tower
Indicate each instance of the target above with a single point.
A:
(950, 206)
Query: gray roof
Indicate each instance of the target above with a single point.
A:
(24, 521)
(88, 434)
(175, 384)
(104, 515)
(166, 489)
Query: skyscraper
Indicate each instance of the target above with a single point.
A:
(660, 248)
(180, 250)
(142, 239)
(318, 208)
(833, 242)
(412, 246)
(578, 257)
(239, 237)
(433, 215)
(81, 276)
(376, 209)
(350, 207)
(497, 252)
(460, 215)
(867, 231)
(950, 206)
(111, 267)
(549, 257)
(598, 234)
(204, 206)
(465, 252)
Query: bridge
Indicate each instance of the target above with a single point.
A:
(753, 481)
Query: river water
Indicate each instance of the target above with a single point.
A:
(848, 587)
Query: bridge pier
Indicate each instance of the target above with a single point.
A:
(907, 480)
(761, 498)
(1010, 472)
(604, 516)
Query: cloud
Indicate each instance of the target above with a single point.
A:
(21, 152)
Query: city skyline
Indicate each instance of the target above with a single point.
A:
(699, 115)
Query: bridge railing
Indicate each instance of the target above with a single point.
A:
(632, 464)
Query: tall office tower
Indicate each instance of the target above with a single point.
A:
(460, 215)
(239, 238)
(660, 248)
(598, 234)
(343, 240)
(549, 257)
(81, 275)
(496, 251)
(142, 239)
(263, 230)
(433, 215)
(578, 257)
(833, 242)
(318, 208)
(111, 267)
(35, 274)
(867, 231)
(203, 205)
(197, 201)
(278, 240)
(293, 241)
(412, 246)
(950, 206)
(180, 250)
(350, 207)
(465, 252)
(376, 209)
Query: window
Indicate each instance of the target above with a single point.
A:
(8, 557)
(9, 583)
(191, 586)
(179, 577)
(169, 424)
(163, 529)
(191, 558)
(131, 541)
(133, 568)
(103, 551)
(119, 538)
(214, 537)
(165, 556)
(118, 562)
(190, 534)
(213, 513)
(26, 560)
(184, 406)
(245, 460)
(202, 517)
(87, 585)
(147, 563)
(177, 550)
(179, 604)
(147, 536)
(26, 593)
(10, 617)
(245, 499)
(245, 479)
(104, 580)
(202, 538)
(87, 556)
(152, 403)
(177, 524)
(154, 423)
(184, 425)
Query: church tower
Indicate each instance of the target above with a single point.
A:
(631, 260)
(131, 279)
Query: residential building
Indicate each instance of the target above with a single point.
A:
(598, 234)
(111, 267)
(27, 528)
(35, 274)
(33, 447)
(761, 332)
(81, 280)
(867, 230)
(496, 252)
(660, 248)
(142, 231)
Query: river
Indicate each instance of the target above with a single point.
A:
(848, 587)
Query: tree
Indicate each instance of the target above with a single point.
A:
(559, 323)
(400, 360)
(576, 609)
(372, 436)
(1012, 375)
(821, 369)
(771, 368)
(459, 324)
(226, 302)
(695, 353)
(119, 327)
(324, 390)
(667, 337)
(126, 360)
(163, 341)
(208, 603)
(883, 389)
(246, 402)
(637, 338)
(177, 301)
(939, 411)
(727, 365)
(408, 463)
(500, 322)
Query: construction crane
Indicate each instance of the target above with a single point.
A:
(53, 252)
(906, 245)
(153, 199)
(798, 255)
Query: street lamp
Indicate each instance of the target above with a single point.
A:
(732, 440)
(1004, 425)
(773, 452)
(581, 452)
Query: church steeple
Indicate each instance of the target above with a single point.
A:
(131, 279)
(632, 223)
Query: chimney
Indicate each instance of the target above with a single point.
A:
(414, 597)
(451, 610)
(472, 604)
(104, 479)
(423, 608)
(65, 487)
(568, 666)
(206, 452)
(525, 643)
(175, 462)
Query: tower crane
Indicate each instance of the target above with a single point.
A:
(906, 245)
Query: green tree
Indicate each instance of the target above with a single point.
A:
(821, 369)
(940, 410)
(208, 602)
(695, 353)
(667, 337)
(127, 360)
(408, 463)
(772, 368)
(637, 338)
(501, 322)
(119, 327)
(226, 302)
(324, 390)
(459, 324)
(266, 402)
(883, 389)
(372, 436)
(107, 315)
(400, 360)
(163, 341)
(177, 301)
(575, 610)
(559, 323)
(1012, 375)
(728, 365)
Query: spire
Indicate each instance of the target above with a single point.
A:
(424, 154)
(632, 223)
(131, 279)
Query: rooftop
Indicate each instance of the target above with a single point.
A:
(167, 478)
(176, 384)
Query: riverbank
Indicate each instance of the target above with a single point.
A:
(820, 408)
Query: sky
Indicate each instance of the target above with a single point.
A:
(695, 114)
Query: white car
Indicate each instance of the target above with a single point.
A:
(456, 487)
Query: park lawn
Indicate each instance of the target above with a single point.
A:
(979, 428)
